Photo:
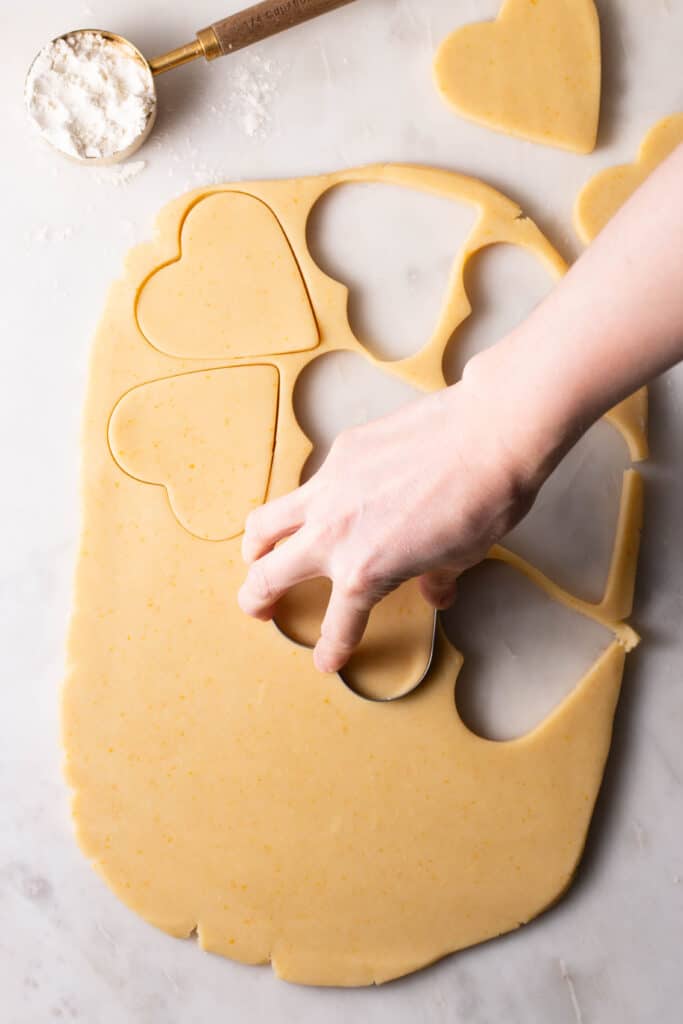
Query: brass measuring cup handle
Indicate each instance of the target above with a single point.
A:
(244, 28)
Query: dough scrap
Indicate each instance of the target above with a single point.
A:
(534, 72)
(607, 192)
(219, 782)
(185, 431)
(202, 315)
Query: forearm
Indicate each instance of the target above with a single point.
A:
(613, 323)
(427, 491)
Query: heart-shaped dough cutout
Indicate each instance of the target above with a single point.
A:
(607, 192)
(208, 438)
(534, 72)
(235, 290)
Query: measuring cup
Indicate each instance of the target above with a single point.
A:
(218, 40)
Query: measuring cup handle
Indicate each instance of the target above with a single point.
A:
(260, 21)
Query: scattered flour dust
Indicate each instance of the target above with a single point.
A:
(49, 233)
(253, 87)
(121, 174)
(89, 96)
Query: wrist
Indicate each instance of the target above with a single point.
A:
(536, 415)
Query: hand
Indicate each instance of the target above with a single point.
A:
(427, 491)
(423, 492)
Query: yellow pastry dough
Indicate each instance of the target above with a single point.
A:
(234, 289)
(534, 72)
(220, 783)
(210, 407)
(607, 192)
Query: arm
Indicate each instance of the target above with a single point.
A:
(428, 490)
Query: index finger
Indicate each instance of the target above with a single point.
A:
(271, 523)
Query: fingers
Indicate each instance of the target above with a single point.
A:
(342, 630)
(271, 523)
(439, 588)
(273, 575)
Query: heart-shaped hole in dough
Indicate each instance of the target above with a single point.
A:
(509, 682)
(504, 283)
(364, 235)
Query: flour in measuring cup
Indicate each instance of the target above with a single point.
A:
(89, 96)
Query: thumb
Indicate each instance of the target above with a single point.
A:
(439, 587)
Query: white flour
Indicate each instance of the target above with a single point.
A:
(121, 175)
(89, 96)
(253, 84)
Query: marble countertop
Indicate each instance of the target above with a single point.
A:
(353, 88)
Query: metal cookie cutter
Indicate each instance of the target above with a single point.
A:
(346, 676)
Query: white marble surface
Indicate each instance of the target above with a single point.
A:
(353, 88)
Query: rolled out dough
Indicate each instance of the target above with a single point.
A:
(235, 257)
(534, 72)
(211, 406)
(219, 782)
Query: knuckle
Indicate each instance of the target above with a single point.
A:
(442, 579)
(344, 443)
(335, 644)
(260, 583)
(474, 522)
(357, 580)
(323, 532)
(252, 523)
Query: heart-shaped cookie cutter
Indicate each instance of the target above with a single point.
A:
(346, 679)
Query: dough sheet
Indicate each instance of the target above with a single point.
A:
(220, 784)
